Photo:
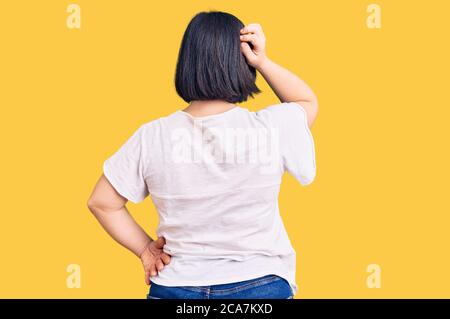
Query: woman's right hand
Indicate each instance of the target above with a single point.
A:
(253, 33)
(154, 259)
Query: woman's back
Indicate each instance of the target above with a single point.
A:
(215, 181)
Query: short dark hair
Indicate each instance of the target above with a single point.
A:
(210, 62)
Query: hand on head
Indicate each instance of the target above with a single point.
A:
(254, 54)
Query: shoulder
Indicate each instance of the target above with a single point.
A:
(284, 114)
(151, 130)
(150, 126)
(284, 109)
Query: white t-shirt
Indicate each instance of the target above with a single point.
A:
(214, 181)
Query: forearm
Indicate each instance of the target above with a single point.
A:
(121, 226)
(285, 84)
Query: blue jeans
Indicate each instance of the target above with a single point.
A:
(266, 287)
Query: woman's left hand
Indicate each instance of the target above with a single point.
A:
(154, 259)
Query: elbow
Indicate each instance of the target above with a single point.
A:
(316, 109)
(91, 205)
(98, 206)
(311, 107)
(315, 105)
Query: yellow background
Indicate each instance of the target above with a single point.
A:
(70, 98)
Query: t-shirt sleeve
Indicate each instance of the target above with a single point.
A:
(125, 169)
(296, 140)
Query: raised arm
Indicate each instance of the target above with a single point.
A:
(285, 84)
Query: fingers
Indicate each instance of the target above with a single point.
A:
(253, 28)
(246, 50)
(159, 265)
(160, 242)
(253, 33)
(149, 271)
(256, 39)
(156, 264)
(165, 258)
(153, 270)
(253, 38)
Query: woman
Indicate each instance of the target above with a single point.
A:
(213, 171)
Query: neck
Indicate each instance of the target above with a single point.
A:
(208, 107)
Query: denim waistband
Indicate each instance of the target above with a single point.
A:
(233, 287)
